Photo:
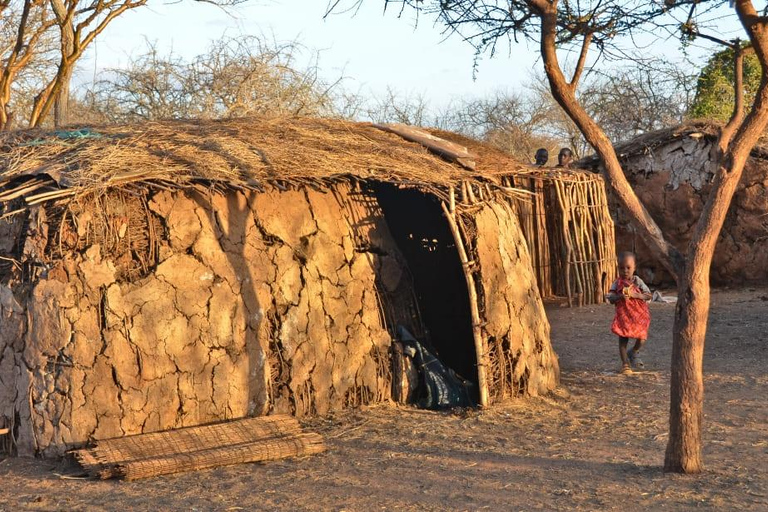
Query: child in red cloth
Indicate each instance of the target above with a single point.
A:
(629, 294)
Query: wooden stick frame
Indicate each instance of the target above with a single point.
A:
(480, 350)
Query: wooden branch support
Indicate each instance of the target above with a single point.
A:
(471, 192)
(481, 353)
(569, 232)
(449, 150)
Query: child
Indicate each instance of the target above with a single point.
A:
(629, 294)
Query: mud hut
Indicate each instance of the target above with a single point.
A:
(180, 273)
(671, 171)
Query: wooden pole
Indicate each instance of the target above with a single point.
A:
(471, 192)
(482, 381)
(566, 240)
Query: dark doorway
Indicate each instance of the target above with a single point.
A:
(424, 238)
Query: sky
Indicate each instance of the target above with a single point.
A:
(372, 49)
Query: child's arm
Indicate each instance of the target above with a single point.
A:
(645, 292)
(614, 295)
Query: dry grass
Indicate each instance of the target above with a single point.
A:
(243, 154)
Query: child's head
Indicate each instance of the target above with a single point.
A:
(627, 264)
(542, 155)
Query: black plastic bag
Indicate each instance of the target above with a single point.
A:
(439, 387)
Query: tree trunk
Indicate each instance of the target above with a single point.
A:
(564, 93)
(41, 105)
(61, 107)
(46, 99)
(5, 125)
(687, 384)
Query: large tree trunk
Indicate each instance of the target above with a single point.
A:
(564, 93)
(61, 106)
(692, 271)
(47, 98)
(42, 104)
(687, 385)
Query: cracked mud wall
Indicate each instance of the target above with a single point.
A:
(673, 181)
(522, 360)
(258, 303)
(182, 308)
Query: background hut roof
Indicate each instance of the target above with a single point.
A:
(243, 153)
(648, 142)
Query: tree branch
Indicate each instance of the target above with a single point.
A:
(748, 131)
(582, 60)
(563, 93)
(726, 133)
(723, 42)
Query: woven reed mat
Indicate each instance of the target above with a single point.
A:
(187, 449)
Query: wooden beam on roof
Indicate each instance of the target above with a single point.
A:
(449, 150)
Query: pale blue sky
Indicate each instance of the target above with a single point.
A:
(373, 49)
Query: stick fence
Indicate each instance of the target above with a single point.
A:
(570, 234)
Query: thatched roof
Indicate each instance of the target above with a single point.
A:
(243, 154)
(648, 142)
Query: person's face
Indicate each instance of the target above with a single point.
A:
(627, 267)
(541, 157)
(564, 158)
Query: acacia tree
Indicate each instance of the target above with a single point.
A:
(557, 25)
(78, 23)
(715, 84)
(25, 27)
(235, 77)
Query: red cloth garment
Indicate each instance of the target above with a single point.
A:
(633, 317)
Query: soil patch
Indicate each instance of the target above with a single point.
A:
(596, 443)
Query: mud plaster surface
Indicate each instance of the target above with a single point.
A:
(516, 327)
(241, 278)
(673, 182)
(259, 303)
(595, 445)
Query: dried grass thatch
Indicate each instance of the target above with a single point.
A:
(249, 154)
(649, 142)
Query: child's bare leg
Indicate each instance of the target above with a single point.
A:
(623, 342)
(632, 354)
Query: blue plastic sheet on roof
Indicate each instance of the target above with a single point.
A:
(64, 135)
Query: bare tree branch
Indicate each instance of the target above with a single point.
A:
(582, 60)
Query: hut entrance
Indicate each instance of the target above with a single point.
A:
(416, 223)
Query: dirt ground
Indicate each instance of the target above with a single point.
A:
(596, 444)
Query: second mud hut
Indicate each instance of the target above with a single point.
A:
(671, 171)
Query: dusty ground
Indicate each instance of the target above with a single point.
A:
(597, 444)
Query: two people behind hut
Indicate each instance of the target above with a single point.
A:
(633, 317)
(564, 158)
